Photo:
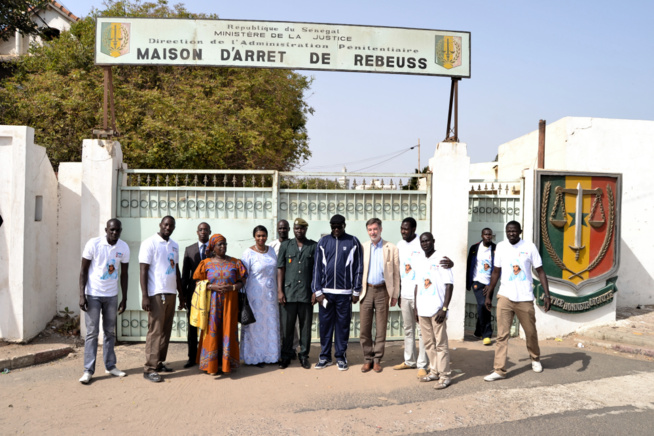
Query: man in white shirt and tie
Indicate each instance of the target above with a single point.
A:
(193, 254)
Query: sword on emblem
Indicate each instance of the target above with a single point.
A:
(579, 218)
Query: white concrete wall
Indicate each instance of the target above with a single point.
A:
(483, 170)
(31, 286)
(69, 248)
(450, 183)
(10, 304)
(603, 145)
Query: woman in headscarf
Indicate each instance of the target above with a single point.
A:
(260, 342)
(219, 342)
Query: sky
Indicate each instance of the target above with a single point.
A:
(529, 61)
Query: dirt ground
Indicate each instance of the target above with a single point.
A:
(49, 399)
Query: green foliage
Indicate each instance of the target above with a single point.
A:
(309, 183)
(16, 15)
(168, 117)
(413, 182)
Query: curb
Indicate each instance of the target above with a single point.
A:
(617, 347)
(35, 358)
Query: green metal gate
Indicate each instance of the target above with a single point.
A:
(234, 202)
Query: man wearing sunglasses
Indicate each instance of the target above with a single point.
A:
(337, 274)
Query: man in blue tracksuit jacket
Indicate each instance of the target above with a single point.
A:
(337, 274)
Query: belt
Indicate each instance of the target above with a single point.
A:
(370, 285)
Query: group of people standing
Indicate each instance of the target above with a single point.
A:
(284, 280)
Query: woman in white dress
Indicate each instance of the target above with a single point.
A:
(260, 341)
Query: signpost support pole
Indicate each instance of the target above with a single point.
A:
(108, 104)
(452, 135)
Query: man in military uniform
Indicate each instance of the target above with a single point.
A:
(294, 274)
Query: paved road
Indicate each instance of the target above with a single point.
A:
(580, 392)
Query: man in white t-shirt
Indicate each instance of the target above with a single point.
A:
(432, 298)
(409, 250)
(282, 235)
(514, 259)
(160, 281)
(478, 274)
(102, 258)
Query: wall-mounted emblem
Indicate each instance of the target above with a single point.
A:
(577, 226)
(115, 39)
(448, 51)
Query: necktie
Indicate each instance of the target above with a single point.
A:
(202, 249)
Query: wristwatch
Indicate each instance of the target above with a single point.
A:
(444, 308)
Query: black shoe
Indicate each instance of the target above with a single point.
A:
(283, 364)
(153, 377)
(304, 361)
(164, 368)
(189, 364)
(260, 365)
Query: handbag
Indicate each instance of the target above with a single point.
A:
(245, 314)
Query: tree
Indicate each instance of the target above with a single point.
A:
(413, 182)
(168, 117)
(17, 15)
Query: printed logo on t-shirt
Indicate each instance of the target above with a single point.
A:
(518, 274)
(119, 255)
(427, 285)
(110, 271)
(484, 267)
(171, 260)
(408, 272)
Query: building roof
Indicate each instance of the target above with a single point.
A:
(63, 10)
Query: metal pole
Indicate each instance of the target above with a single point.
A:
(107, 76)
(449, 112)
(111, 101)
(456, 110)
(419, 167)
(541, 144)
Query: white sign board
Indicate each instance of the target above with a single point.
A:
(274, 44)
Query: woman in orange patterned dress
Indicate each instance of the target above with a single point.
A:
(219, 350)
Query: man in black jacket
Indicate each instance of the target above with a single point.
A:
(478, 274)
(193, 254)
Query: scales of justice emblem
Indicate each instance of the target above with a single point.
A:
(115, 39)
(578, 226)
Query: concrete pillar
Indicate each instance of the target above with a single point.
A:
(69, 251)
(450, 169)
(28, 237)
(101, 160)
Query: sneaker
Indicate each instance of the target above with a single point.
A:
(403, 365)
(536, 366)
(86, 378)
(494, 376)
(342, 365)
(487, 341)
(153, 377)
(322, 364)
(116, 372)
(422, 372)
(429, 378)
(443, 384)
